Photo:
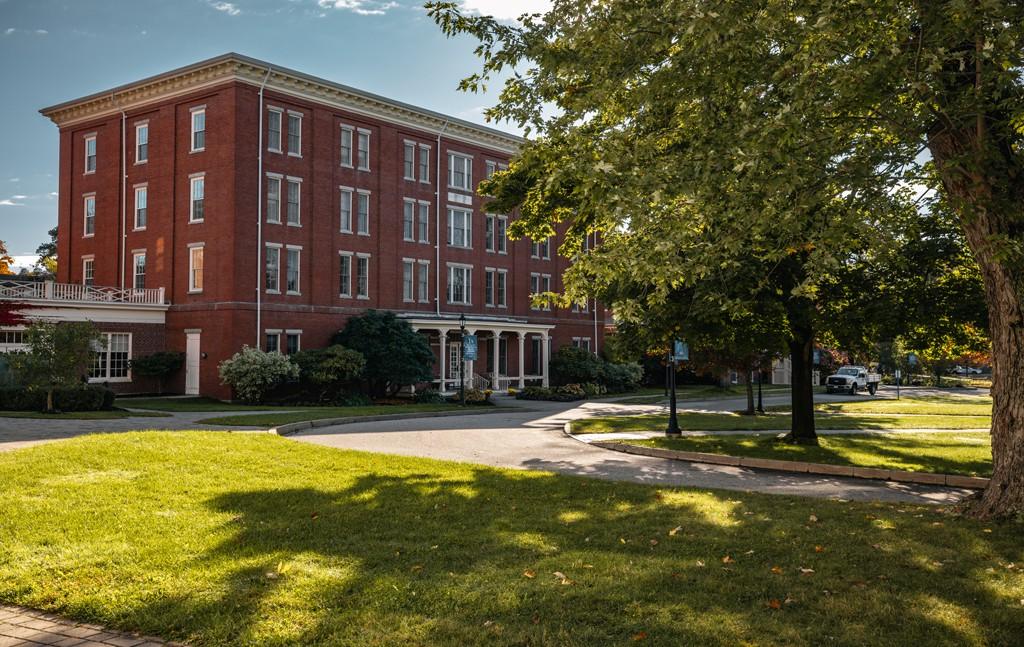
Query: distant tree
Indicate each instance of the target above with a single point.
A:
(395, 354)
(58, 355)
(158, 365)
(47, 252)
(6, 260)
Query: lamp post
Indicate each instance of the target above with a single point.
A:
(679, 352)
(462, 361)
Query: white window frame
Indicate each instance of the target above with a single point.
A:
(87, 199)
(360, 260)
(423, 221)
(350, 132)
(345, 287)
(272, 146)
(467, 227)
(490, 286)
(409, 160)
(297, 334)
(139, 127)
(136, 254)
(294, 114)
(545, 285)
(143, 190)
(192, 114)
(192, 181)
(423, 282)
(362, 196)
(467, 271)
(89, 261)
(345, 205)
(274, 215)
(490, 167)
(501, 278)
(297, 183)
(276, 334)
(297, 250)
(362, 133)
(107, 336)
(90, 138)
(276, 247)
(192, 247)
(409, 213)
(501, 234)
(467, 169)
(534, 289)
(423, 163)
(408, 280)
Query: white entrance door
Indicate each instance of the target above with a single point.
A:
(191, 363)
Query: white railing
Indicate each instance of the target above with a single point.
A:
(22, 290)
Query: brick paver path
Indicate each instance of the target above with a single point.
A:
(21, 627)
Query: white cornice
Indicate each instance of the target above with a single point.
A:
(237, 68)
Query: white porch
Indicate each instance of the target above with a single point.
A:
(496, 338)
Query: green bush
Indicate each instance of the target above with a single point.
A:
(326, 374)
(473, 396)
(572, 365)
(158, 365)
(569, 393)
(252, 372)
(84, 398)
(429, 396)
(593, 390)
(396, 355)
(621, 378)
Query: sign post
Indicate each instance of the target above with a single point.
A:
(469, 347)
(680, 352)
(899, 374)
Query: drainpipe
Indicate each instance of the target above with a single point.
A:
(259, 219)
(124, 183)
(437, 224)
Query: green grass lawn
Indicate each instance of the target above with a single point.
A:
(702, 392)
(191, 404)
(231, 539)
(283, 418)
(735, 422)
(937, 405)
(83, 415)
(967, 453)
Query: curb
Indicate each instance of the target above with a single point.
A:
(800, 467)
(292, 427)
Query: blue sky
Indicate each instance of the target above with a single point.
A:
(59, 50)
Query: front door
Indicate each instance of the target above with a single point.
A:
(191, 363)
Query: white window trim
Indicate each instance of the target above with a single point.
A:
(469, 284)
(85, 153)
(192, 112)
(86, 259)
(504, 296)
(128, 377)
(451, 227)
(345, 291)
(191, 197)
(424, 147)
(406, 145)
(136, 253)
(298, 203)
(278, 247)
(356, 276)
(139, 125)
(355, 149)
(355, 212)
(416, 221)
(298, 271)
(501, 249)
(295, 113)
(191, 269)
(273, 332)
(451, 171)
(135, 211)
(490, 296)
(85, 214)
(413, 285)
(413, 204)
(351, 146)
(280, 129)
(533, 305)
(545, 277)
(350, 192)
(298, 333)
(424, 266)
(280, 181)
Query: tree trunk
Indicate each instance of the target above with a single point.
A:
(49, 400)
(801, 349)
(750, 394)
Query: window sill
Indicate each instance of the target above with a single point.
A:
(364, 233)
(424, 242)
(197, 150)
(364, 169)
(409, 179)
(298, 155)
(88, 235)
(343, 165)
(139, 229)
(89, 173)
(344, 231)
(295, 224)
(364, 297)
(427, 181)
(273, 222)
(196, 222)
(292, 293)
(275, 150)
(142, 163)
(103, 380)
(195, 291)
(273, 292)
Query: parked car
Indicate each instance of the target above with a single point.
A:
(851, 379)
(966, 370)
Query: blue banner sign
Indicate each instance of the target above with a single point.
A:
(817, 356)
(469, 348)
(680, 351)
(912, 359)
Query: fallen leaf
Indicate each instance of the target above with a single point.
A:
(812, 519)
(819, 549)
(562, 578)
(672, 533)
(806, 571)
(488, 623)
(654, 542)
(315, 515)
(529, 573)
(700, 563)
(728, 560)
(774, 604)
(417, 568)
(777, 570)
(749, 552)
(621, 540)
(639, 636)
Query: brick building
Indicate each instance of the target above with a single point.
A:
(267, 206)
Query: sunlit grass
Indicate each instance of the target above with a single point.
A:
(321, 413)
(698, 421)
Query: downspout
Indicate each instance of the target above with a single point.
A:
(259, 219)
(124, 185)
(597, 349)
(437, 225)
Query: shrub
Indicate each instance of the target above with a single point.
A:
(473, 396)
(592, 389)
(429, 396)
(158, 365)
(84, 398)
(58, 356)
(569, 393)
(620, 378)
(252, 372)
(395, 354)
(326, 373)
(572, 365)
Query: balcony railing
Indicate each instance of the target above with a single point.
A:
(27, 290)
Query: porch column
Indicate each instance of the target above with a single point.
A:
(522, 360)
(442, 336)
(496, 353)
(545, 352)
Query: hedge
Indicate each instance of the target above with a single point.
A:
(85, 398)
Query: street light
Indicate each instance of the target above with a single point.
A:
(462, 361)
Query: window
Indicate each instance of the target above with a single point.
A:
(363, 276)
(294, 186)
(346, 146)
(424, 282)
(295, 134)
(198, 129)
(460, 171)
(273, 268)
(142, 143)
(291, 341)
(408, 279)
(491, 167)
(363, 213)
(489, 233)
(292, 255)
(502, 234)
(545, 286)
(139, 270)
(499, 291)
(489, 274)
(424, 221)
(90, 216)
(345, 274)
(90, 154)
(274, 130)
(460, 227)
(12, 340)
(88, 268)
(346, 210)
(494, 290)
(364, 150)
(195, 268)
(408, 220)
(541, 249)
(111, 358)
(539, 284)
(410, 161)
(141, 199)
(198, 191)
(459, 284)
(273, 341)
(273, 199)
(424, 163)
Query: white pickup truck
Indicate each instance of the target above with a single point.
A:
(852, 379)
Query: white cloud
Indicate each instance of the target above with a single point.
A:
(18, 197)
(229, 8)
(13, 30)
(52, 194)
(24, 260)
(9, 31)
(42, 32)
(361, 7)
(11, 203)
(506, 9)
(15, 179)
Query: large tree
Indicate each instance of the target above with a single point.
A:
(6, 260)
(784, 116)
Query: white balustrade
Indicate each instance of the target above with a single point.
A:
(23, 290)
